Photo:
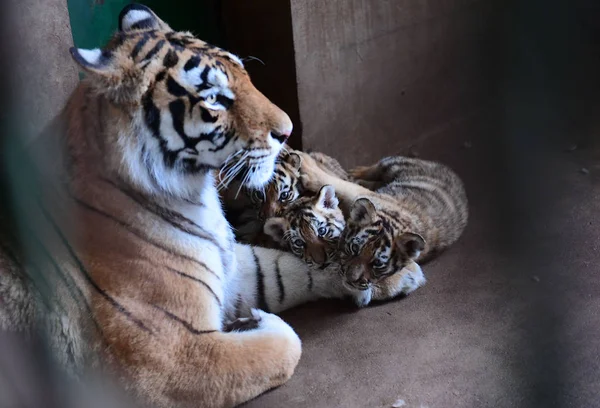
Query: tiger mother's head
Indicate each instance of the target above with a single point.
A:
(184, 107)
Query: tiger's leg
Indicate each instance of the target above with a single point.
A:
(409, 279)
(275, 281)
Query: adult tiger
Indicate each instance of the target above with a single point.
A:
(141, 265)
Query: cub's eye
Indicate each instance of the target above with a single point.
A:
(285, 196)
(298, 242)
(322, 231)
(354, 248)
(378, 264)
(211, 99)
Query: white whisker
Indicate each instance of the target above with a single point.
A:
(231, 171)
(243, 182)
(229, 178)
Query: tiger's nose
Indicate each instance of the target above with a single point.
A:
(281, 137)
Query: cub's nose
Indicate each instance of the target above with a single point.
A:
(361, 281)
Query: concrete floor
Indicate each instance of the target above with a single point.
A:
(510, 316)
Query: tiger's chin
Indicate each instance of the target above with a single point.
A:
(260, 172)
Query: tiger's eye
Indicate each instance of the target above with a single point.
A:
(354, 248)
(322, 231)
(298, 243)
(211, 99)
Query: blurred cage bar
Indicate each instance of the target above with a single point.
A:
(539, 67)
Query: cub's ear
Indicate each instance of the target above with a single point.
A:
(363, 211)
(139, 17)
(295, 160)
(410, 244)
(326, 198)
(276, 227)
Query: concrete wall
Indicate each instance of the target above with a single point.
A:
(377, 76)
(43, 74)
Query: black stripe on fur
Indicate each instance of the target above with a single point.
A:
(145, 238)
(279, 280)
(184, 323)
(120, 308)
(260, 284)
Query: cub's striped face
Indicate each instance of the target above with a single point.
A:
(310, 227)
(283, 189)
(373, 248)
(192, 105)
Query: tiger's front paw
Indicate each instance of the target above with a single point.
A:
(243, 323)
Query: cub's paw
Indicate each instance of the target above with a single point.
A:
(413, 278)
(360, 172)
(362, 298)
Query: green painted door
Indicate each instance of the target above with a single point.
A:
(94, 21)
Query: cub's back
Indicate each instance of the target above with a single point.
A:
(430, 190)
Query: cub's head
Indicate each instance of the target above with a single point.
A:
(185, 106)
(373, 246)
(310, 227)
(283, 189)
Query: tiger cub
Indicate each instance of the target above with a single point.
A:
(418, 209)
(311, 227)
(247, 210)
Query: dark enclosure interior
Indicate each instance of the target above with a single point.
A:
(507, 94)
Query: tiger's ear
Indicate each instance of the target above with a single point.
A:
(410, 244)
(295, 160)
(95, 61)
(326, 198)
(101, 62)
(276, 227)
(139, 17)
(363, 212)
